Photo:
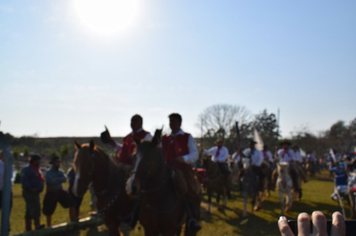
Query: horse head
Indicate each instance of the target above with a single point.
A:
(282, 169)
(83, 167)
(148, 158)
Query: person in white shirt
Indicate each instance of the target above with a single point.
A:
(256, 158)
(219, 154)
(267, 155)
(286, 156)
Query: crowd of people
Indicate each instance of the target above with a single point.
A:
(180, 152)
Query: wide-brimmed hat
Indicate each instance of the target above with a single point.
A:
(251, 141)
(219, 141)
(54, 159)
(285, 142)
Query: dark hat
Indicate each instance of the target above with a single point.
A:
(54, 159)
(251, 141)
(219, 141)
(285, 142)
(34, 158)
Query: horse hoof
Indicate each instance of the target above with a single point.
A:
(257, 208)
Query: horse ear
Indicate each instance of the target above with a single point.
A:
(157, 137)
(77, 145)
(91, 145)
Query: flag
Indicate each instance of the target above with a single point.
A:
(302, 153)
(332, 154)
(258, 140)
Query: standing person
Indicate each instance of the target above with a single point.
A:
(219, 155)
(54, 192)
(2, 174)
(32, 185)
(124, 151)
(77, 200)
(180, 152)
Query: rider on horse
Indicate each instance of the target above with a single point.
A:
(286, 155)
(124, 152)
(256, 158)
(219, 155)
(180, 152)
(299, 161)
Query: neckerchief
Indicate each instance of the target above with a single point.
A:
(38, 171)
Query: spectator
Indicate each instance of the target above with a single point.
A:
(77, 200)
(340, 179)
(32, 185)
(54, 193)
(2, 173)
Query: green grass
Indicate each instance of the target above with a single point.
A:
(316, 196)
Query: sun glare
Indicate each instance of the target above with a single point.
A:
(106, 16)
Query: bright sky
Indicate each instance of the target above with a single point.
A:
(68, 68)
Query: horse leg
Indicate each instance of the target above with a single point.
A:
(113, 226)
(282, 201)
(225, 196)
(289, 201)
(244, 214)
(209, 201)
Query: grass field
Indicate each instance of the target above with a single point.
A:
(316, 196)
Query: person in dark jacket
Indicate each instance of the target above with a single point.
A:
(32, 185)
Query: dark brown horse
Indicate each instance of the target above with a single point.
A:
(216, 182)
(163, 210)
(91, 164)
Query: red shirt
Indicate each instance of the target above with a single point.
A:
(174, 146)
(128, 145)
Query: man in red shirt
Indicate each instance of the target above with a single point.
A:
(124, 152)
(180, 152)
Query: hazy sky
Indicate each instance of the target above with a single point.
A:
(68, 68)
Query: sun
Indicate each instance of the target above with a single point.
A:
(106, 16)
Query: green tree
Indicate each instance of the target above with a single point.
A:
(64, 155)
(26, 151)
(16, 154)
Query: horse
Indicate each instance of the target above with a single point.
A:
(284, 186)
(216, 182)
(163, 208)
(267, 170)
(310, 167)
(250, 185)
(92, 164)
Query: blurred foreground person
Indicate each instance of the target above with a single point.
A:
(32, 185)
(54, 193)
(319, 225)
(2, 173)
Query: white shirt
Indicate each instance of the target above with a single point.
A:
(223, 154)
(267, 155)
(256, 156)
(193, 154)
(298, 157)
(285, 156)
(235, 157)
